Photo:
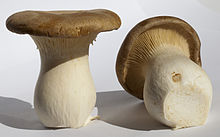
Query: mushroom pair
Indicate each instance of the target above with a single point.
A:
(64, 94)
(159, 61)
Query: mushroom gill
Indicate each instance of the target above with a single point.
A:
(146, 46)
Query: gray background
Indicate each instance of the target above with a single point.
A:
(122, 115)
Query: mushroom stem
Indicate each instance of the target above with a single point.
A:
(65, 94)
(177, 92)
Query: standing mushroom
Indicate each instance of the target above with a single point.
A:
(64, 94)
(159, 61)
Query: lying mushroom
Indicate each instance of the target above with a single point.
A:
(65, 93)
(160, 61)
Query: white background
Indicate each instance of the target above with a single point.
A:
(122, 115)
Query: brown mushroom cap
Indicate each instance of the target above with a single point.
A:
(128, 74)
(63, 23)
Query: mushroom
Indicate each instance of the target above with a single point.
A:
(159, 61)
(64, 94)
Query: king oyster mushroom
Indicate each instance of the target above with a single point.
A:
(159, 61)
(65, 94)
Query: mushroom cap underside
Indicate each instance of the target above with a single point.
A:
(63, 23)
(130, 75)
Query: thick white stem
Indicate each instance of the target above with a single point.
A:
(65, 94)
(177, 92)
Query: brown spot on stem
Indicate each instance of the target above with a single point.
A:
(177, 77)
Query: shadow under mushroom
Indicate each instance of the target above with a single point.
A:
(19, 114)
(121, 109)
